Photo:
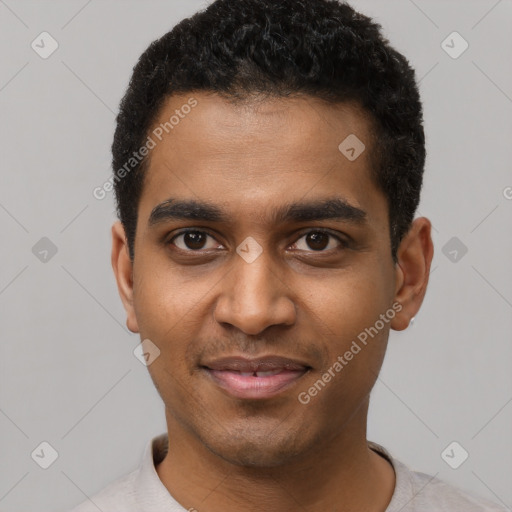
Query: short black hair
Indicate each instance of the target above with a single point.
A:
(279, 48)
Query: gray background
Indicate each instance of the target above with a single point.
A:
(68, 375)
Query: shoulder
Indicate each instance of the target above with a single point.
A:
(429, 493)
(142, 484)
(116, 497)
(419, 492)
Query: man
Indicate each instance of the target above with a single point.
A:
(268, 163)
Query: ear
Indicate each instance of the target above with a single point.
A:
(414, 257)
(123, 270)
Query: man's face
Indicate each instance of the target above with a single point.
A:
(295, 295)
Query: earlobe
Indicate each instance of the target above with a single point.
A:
(412, 271)
(123, 271)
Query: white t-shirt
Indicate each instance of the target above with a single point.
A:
(143, 491)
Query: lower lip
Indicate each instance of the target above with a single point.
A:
(251, 387)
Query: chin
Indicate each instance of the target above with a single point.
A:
(257, 449)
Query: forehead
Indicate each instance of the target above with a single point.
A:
(253, 153)
(303, 125)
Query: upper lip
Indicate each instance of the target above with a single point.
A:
(259, 364)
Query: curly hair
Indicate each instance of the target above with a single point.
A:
(321, 48)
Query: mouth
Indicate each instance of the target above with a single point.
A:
(258, 378)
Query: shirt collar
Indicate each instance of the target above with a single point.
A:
(152, 496)
(150, 493)
(403, 491)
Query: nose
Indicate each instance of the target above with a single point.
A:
(254, 297)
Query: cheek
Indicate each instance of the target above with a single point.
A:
(346, 307)
(350, 327)
(167, 300)
(166, 310)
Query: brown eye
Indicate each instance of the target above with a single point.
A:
(317, 241)
(194, 240)
(320, 241)
(191, 240)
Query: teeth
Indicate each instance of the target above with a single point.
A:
(260, 374)
(268, 374)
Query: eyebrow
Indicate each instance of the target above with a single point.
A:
(331, 208)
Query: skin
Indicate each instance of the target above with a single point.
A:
(228, 454)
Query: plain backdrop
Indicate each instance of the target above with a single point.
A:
(68, 375)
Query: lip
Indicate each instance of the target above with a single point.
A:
(238, 376)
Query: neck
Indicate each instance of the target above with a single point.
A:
(341, 474)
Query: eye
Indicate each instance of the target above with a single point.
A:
(319, 241)
(192, 240)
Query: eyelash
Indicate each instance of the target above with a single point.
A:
(343, 244)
